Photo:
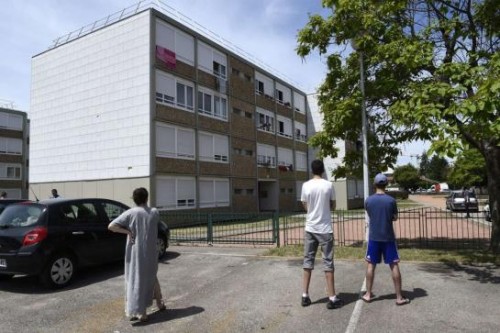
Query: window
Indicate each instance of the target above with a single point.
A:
(184, 96)
(112, 211)
(10, 171)
(212, 104)
(214, 192)
(285, 159)
(283, 94)
(213, 147)
(266, 155)
(176, 142)
(299, 102)
(259, 87)
(212, 61)
(284, 126)
(11, 121)
(301, 161)
(175, 192)
(265, 120)
(300, 132)
(264, 85)
(219, 70)
(176, 41)
(11, 146)
(174, 91)
(279, 96)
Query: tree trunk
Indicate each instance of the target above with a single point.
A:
(493, 171)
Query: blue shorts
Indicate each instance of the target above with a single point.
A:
(377, 249)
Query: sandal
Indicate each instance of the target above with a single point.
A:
(403, 301)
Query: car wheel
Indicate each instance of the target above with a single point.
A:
(161, 246)
(59, 271)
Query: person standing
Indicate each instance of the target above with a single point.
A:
(141, 258)
(55, 195)
(318, 200)
(382, 211)
(466, 194)
(3, 195)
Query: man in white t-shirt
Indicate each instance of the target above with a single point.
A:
(318, 198)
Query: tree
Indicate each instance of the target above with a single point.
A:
(438, 169)
(469, 170)
(432, 72)
(407, 176)
(424, 164)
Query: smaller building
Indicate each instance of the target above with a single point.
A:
(14, 152)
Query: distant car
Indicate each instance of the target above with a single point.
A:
(53, 238)
(456, 202)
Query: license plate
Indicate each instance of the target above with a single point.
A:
(3, 263)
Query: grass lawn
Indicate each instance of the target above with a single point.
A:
(416, 255)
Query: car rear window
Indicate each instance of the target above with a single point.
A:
(21, 215)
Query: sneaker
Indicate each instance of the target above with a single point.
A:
(337, 303)
(306, 301)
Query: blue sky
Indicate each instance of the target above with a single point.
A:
(266, 29)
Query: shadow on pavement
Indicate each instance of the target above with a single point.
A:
(482, 273)
(169, 255)
(170, 314)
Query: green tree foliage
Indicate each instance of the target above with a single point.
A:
(432, 72)
(407, 177)
(424, 164)
(469, 170)
(438, 169)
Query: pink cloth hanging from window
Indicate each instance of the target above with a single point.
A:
(167, 56)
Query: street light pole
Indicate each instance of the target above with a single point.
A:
(364, 129)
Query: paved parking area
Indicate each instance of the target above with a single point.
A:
(211, 289)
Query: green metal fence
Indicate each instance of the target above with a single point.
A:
(425, 227)
(230, 228)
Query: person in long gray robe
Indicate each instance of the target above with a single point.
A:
(141, 258)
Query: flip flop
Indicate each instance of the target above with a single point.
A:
(404, 301)
(365, 300)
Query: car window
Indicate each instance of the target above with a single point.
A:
(21, 215)
(112, 211)
(66, 214)
(86, 213)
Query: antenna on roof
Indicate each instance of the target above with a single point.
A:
(31, 188)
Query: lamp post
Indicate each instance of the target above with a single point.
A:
(364, 130)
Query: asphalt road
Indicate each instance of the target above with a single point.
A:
(211, 289)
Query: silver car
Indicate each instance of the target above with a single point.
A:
(456, 201)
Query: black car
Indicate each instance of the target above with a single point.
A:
(52, 238)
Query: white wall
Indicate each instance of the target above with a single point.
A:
(90, 106)
(315, 124)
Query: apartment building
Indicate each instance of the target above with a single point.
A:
(147, 101)
(348, 191)
(14, 152)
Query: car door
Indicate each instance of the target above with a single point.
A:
(79, 234)
(115, 242)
